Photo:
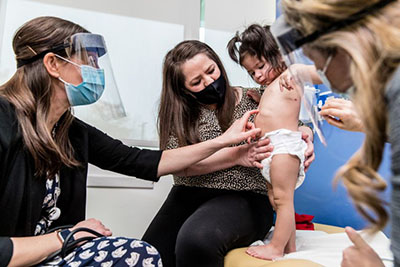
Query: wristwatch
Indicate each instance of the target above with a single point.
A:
(62, 234)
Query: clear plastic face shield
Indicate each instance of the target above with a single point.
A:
(291, 43)
(88, 49)
(295, 60)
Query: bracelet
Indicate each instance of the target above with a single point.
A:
(62, 235)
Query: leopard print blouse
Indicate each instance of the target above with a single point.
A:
(234, 178)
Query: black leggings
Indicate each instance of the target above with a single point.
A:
(198, 226)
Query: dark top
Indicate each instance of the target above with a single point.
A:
(393, 107)
(22, 194)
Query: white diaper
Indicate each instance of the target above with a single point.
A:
(285, 142)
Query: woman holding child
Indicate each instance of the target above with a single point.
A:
(221, 203)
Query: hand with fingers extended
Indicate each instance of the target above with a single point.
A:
(342, 114)
(309, 154)
(93, 224)
(360, 254)
(251, 155)
(242, 129)
(307, 136)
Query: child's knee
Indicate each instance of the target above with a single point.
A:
(282, 197)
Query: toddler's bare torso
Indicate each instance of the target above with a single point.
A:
(278, 109)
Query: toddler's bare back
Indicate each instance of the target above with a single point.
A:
(278, 109)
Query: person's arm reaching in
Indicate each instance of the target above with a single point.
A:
(341, 113)
(248, 155)
(31, 250)
(175, 160)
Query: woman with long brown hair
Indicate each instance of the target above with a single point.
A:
(220, 203)
(45, 151)
(356, 46)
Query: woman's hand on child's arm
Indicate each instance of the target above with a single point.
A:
(251, 155)
(307, 136)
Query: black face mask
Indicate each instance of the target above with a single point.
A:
(214, 93)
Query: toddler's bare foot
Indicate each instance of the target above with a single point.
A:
(265, 252)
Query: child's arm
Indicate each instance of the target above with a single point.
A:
(306, 71)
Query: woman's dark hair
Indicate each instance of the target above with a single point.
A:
(30, 91)
(256, 40)
(179, 111)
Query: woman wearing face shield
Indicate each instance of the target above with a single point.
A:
(356, 47)
(220, 203)
(45, 151)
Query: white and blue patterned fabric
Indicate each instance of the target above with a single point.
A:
(111, 251)
(53, 191)
(102, 251)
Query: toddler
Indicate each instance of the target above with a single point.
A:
(278, 118)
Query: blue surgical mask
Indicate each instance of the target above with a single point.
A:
(91, 88)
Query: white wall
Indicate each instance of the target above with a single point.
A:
(136, 50)
(230, 16)
(217, 40)
(183, 12)
(223, 15)
(223, 18)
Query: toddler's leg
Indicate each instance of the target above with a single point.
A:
(284, 171)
